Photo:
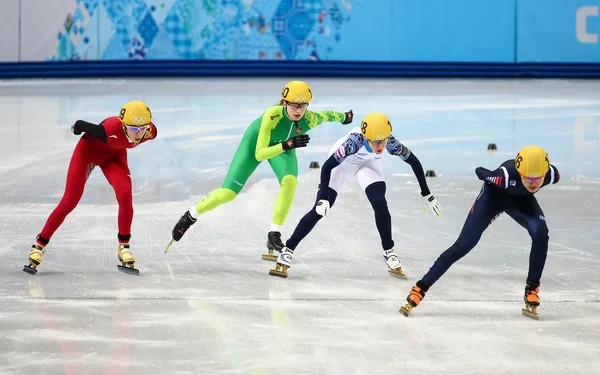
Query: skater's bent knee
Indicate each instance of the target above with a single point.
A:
(226, 195)
(289, 182)
(540, 232)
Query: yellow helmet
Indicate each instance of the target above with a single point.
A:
(135, 113)
(376, 127)
(532, 161)
(296, 92)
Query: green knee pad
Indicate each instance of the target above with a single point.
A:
(214, 199)
(285, 198)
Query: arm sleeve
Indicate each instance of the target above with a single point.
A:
(317, 118)
(151, 133)
(498, 177)
(552, 177)
(96, 131)
(394, 147)
(269, 120)
(418, 171)
(326, 169)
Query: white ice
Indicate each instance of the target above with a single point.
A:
(209, 307)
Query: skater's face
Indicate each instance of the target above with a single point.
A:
(532, 184)
(295, 111)
(136, 133)
(378, 146)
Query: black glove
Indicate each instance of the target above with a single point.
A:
(75, 128)
(349, 117)
(299, 141)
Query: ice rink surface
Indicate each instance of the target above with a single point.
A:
(209, 306)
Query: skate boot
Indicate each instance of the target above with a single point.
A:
(185, 222)
(395, 267)
(414, 298)
(127, 260)
(284, 261)
(532, 300)
(273, 244)
(35, 258)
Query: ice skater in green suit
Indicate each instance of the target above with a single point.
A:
(274, 136)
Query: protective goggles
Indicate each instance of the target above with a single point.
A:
(137, 129)
(298, 105)
(380, 142)
(533, 179)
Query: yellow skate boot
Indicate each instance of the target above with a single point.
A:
(35, 258)
(414, 298)
(532, 300)
(127, 260)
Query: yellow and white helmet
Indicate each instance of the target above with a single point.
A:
(376, 127)
(296, 92)
(135, 113)
(532, 162)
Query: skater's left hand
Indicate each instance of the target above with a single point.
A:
(349, 117)
(323, 207)
(431, 204)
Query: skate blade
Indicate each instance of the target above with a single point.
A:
(129, 270)
(398, 273)
(405, 310)
(278, 273)
(30, 270)
(530, 314)
(270, 257)
(169, 245)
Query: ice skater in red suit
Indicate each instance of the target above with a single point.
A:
(103, 146)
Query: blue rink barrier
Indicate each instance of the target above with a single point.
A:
(212, 68)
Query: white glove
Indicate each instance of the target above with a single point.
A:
(323, 207)
(431, 204)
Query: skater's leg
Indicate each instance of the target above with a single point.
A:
(118, 175)
(79, 170)
(370, 178)
(285, 166)
(485, 209)
(339, 175)
(527, 212)
(308, 221)
(241, 168)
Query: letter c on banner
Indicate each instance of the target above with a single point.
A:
(581, 24)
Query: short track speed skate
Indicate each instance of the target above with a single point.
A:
(127, 260)
(274, 245)
(413, 300)
(279, 270)
(284, 261)
(398, 273)
(183, 224)
(530, 311)
(394, 265)
(532, 300)
(35, 258)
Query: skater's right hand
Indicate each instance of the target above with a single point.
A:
(323, 207)
(75, 129)
(295, 142)
(349, 117)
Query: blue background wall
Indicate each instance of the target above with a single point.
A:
(375, 37)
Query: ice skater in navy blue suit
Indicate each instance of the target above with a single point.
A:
(510, 189)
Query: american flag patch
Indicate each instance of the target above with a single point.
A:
(495, 180)
(341, 152)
